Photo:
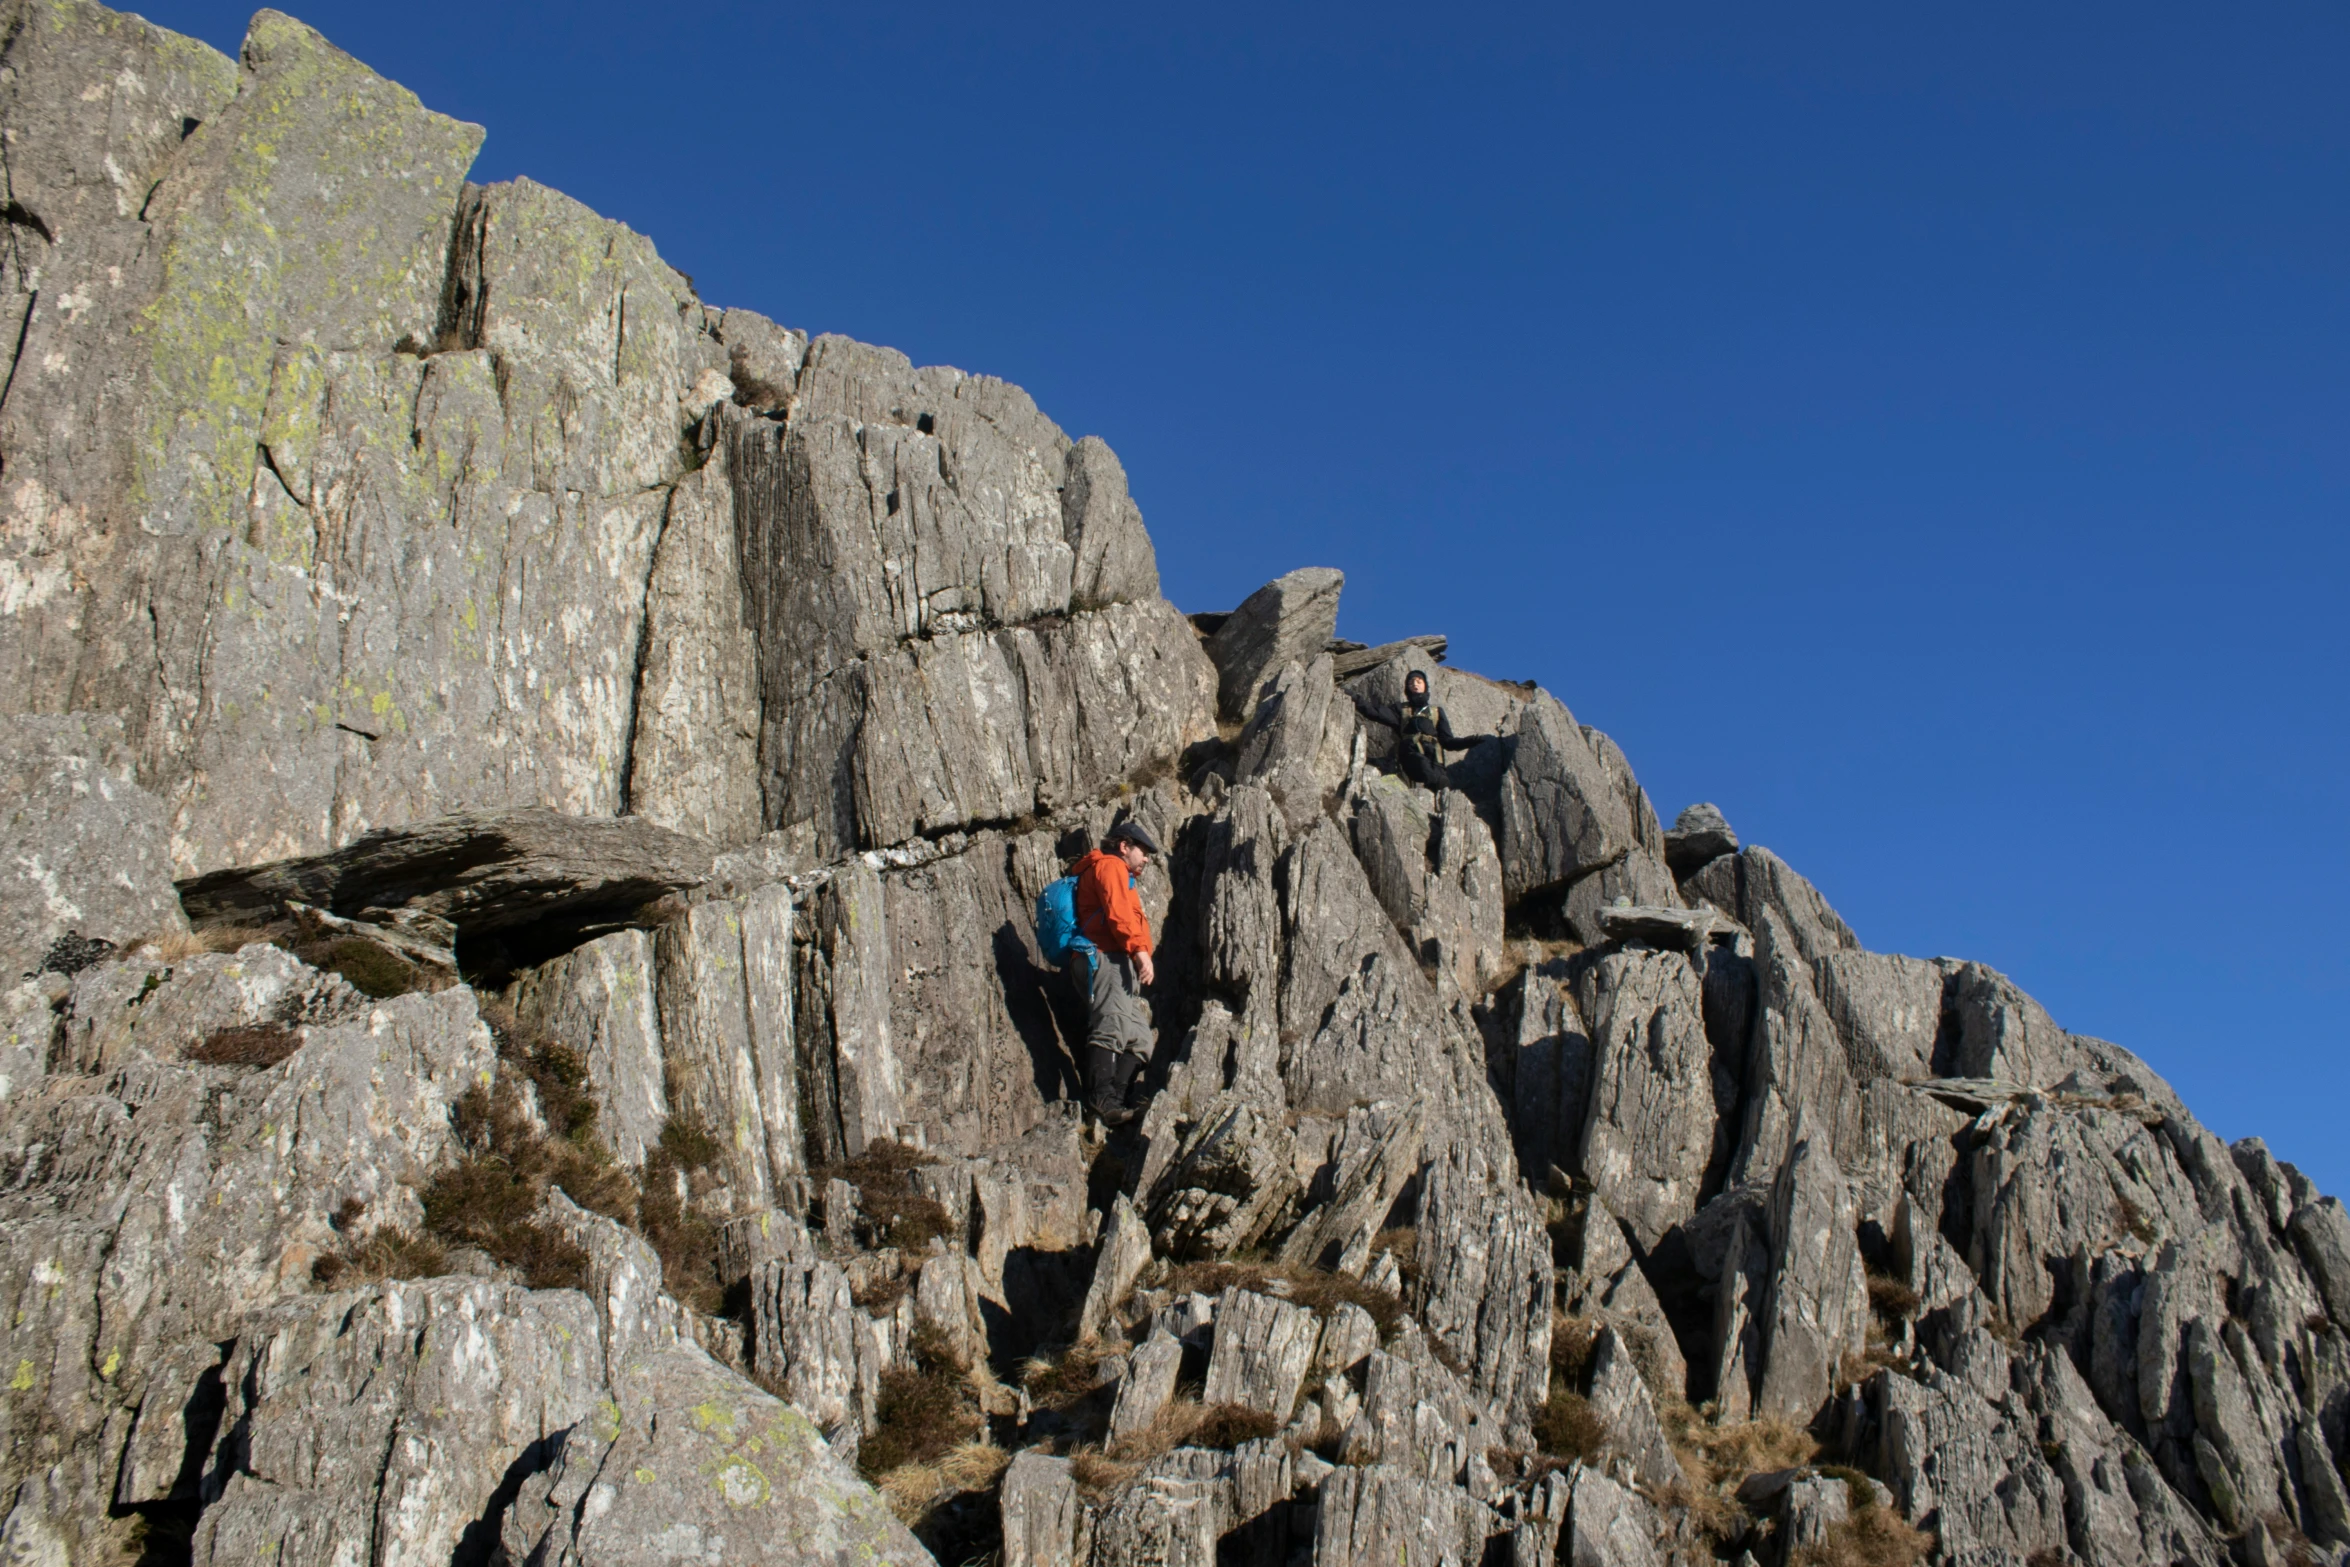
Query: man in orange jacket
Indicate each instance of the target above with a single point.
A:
(1117, 1024)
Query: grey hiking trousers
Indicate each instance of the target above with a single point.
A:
(1115, 1016)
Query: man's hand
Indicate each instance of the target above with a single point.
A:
(1143, 969)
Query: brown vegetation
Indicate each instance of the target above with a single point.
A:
(924, 1412)
(1571, 1341)
(1727, 1454)
(490, 1198)
(1310, 1287)
(1889, 1297)
(677, 1171)
(252, 1044)
(1567, 1428)
(1404, 1241)
(1055, 1381)
(1872, 1536)
(894, 1212)
(1181, 1422)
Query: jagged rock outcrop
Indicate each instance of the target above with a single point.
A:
(610, 1106)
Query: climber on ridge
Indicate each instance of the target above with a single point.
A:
(1422, 732)
(1112, 977)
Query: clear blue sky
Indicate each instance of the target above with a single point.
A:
(1922, 434)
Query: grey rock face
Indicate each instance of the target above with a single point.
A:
(158, 1204)
(1887, 1008)
(1485, 1290)
(1114, 562)
(693, 755)
(602, 998)
(82, 848)
(1562, 816)
(1288, 620)
(392, 1412)
(1383, 1514)
(1609, 1525)
(1745, 884)
(1650, 1126)
(1623, 1401)
(2321, 1234)
(1818, 1301)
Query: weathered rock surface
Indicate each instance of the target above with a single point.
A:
(1699, 836)
(481, 872)
(399, 561)
(83, 848)
(1288, 620)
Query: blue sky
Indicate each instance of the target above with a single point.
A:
(1923, 435)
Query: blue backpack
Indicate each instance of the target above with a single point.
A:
(1056, 923)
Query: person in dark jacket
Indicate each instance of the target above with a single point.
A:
(1112, 977)
(1422, 732)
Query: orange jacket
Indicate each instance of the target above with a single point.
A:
(1108, 912)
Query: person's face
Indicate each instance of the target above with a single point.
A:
(1415, 687)
(1134, 857)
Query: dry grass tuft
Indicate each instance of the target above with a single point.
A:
(1856, 1368)
(912, 1490)
(924, 1412)
(1055, 1381)
(1404, 1241)
(1569, 1429)
(1182, 1422)
(896, 1214)
(1229, 1425)
(1571, 1341)
(1889, 1297)
(1729, 1453)
(975, 1466)
(253, 1044)
(1872, 1537)
(174, 946)
(1096, 1473)
(387, 1254)
(1309, 1287)
(1713, 1510)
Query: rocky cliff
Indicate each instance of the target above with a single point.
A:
(527, 792)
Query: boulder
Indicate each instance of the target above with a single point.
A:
(1149, 1383)
(1351, 659)
(687, 1459)
(1264, 1348)
(1699, 835)
(1290, 619)
(1043, 1518)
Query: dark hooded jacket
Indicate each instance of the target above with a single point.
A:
(1422, 727)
